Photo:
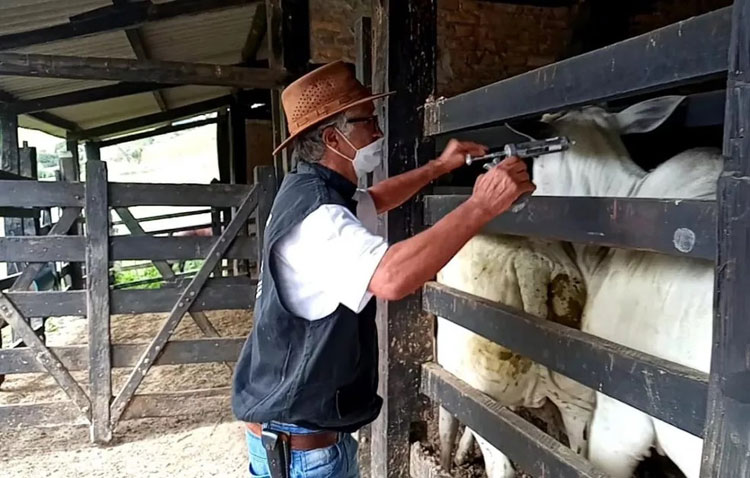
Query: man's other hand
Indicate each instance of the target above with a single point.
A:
(454, 154)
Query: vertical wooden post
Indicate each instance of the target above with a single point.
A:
(93, 153)
(404, 39)
(288, 21)
(726, 447)
(97, 296)
(9, 142)
(363, 65)
(27, 166)
(237, 144)
(70, 168)
(9, 161)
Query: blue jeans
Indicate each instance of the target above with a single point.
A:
(337, 461)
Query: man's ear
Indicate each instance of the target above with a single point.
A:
(330, 137)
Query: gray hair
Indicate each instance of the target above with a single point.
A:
(309, 146)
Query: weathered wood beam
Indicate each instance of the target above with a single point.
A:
(113, 18)
(258, 29)
(138, 44)
(142, 122)
(81, 96)
(726, 449)
(7, 99)
(157, 132)
(120, 69)
(405, 44)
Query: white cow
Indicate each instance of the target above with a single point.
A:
(658, 304)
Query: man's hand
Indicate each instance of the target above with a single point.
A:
(454, 154)
(496, 190)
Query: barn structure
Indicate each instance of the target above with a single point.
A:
(99, 73)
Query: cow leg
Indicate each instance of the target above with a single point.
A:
(447, 429)
(496, 463)
(684, 449)
(620, 438)
(465, 450)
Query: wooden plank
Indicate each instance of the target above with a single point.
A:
(123, 248)
(404, 51)
(228, 293)
(140, 194)
(676, 227)
(121, 69)
(255, 35)
(97, 296)
(237, 145)
(173, 215)
(172, 128)
(15, 193)
(363, 45)
(689, 51)
(671, 392)
(726, 449)
(42, 249)
(66, 221)
(176, 352)
(42, 354)
(113, 18)
(175, 248)
(534, 451)
(147, 405)
(146, 121)
(19, 212)
(186, 300)
(9, 160)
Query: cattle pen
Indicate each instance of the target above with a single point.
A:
(64, 226)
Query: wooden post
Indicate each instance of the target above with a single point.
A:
(288, 21)
(97, 295)
(237, 144)
(404, 39)
(726, 448)
(27, 167)
(9, 161)
(70, 167)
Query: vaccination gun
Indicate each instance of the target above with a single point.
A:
(525, 150)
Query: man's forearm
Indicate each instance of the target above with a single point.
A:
(408, 264)
(393, 192)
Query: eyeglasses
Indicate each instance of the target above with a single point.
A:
(372, 120)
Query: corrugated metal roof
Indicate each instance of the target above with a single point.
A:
(212, 37)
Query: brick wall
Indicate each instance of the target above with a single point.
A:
(332, 26)
(481, 42)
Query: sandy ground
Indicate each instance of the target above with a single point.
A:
(203, 442)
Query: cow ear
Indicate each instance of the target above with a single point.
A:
(647, 115)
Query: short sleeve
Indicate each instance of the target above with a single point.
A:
(354, 253)
(329, 259)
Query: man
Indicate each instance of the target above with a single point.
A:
(307, 375)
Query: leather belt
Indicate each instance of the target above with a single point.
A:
(302, 442)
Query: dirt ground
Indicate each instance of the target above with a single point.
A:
(202, 443)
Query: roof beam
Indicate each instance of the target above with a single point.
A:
(171, 128)
(142, 122)
(44, 117)
(119, 69)
(81, 96)
(113, 18)
(138, 44)
(258, 28)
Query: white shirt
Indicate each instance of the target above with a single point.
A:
(329, 258)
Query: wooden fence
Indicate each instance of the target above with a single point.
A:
(192, 296)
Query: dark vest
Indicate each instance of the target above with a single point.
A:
(319, 374)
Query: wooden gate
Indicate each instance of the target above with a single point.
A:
(100, 407)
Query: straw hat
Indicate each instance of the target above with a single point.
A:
(319, 95)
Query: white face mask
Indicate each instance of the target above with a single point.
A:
(367, 158)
